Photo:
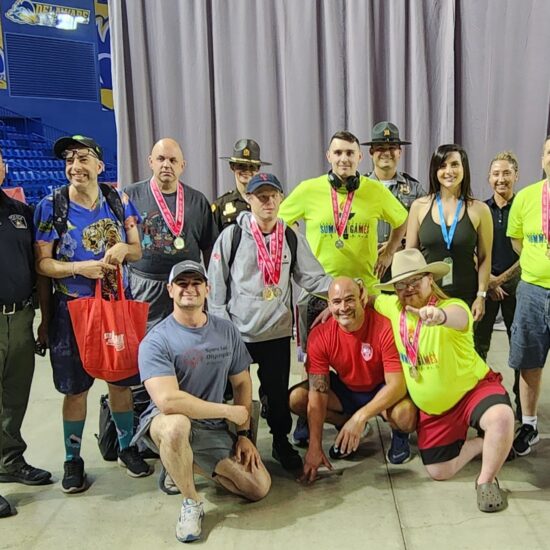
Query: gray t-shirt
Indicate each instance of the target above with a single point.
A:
(157, 242)
(200, 358)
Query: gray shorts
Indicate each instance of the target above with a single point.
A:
(209, 444)
(151, 289)
(530, 331)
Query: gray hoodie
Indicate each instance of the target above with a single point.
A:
(258, 319)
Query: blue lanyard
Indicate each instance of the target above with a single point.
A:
(448, 235)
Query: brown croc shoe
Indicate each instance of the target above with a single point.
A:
(490, 498)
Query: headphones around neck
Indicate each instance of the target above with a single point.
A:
(352, 183)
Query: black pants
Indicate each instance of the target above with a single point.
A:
(484, 330)
(273, 359)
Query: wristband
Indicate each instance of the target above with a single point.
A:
(444, 315)
(245, 433)
(481, 294)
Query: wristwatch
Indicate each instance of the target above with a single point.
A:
(481, 294)
(245, 433)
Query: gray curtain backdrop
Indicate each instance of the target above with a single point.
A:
(289, 73)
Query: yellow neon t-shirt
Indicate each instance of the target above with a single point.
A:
(525, 222)
(311, 201)
(448, 364)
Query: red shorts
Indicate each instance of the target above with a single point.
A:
(440, 437)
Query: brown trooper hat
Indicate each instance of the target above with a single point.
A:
(246, 151)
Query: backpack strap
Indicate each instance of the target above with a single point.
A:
(60, 209)
(113, 200)
(61, 205)
(235, 241)
(292, 240)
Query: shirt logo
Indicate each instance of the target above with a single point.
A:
(366, 351)
(115, 340)
(18, 221)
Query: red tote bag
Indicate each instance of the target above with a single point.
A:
(108, 333)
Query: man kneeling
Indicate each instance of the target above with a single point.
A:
(358, 344)
(185, 362)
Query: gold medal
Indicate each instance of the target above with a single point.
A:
(267, 293)
(179, 243)
(277, 292)
(339, 243)
(414, 373)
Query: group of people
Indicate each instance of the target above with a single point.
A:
(400, 291)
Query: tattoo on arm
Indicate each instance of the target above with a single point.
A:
(319, 383)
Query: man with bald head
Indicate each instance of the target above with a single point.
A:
(366, 377)
(177, 225)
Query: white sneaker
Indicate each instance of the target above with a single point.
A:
(188, 527)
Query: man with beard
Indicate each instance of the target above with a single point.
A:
(447, 380)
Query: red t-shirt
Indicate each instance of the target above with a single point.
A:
(360, 358)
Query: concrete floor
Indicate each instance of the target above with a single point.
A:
(373, 505)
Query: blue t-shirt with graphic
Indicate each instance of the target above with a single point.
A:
(89, 234)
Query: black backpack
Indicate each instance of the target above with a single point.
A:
(107, 439)
(61, 205)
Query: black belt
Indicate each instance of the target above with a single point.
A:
(14, 307)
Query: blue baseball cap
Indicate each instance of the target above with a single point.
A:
(263, 178)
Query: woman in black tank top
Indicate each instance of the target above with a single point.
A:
(465, 240)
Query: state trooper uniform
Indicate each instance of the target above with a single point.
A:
(404, 187)
(17, 343)
(228, 206)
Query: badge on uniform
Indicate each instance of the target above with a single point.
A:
(18, 221)
(229, 209)
(366, 351)
(404, 188)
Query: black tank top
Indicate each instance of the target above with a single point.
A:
(462, 252)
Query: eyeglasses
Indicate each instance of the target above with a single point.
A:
(79, 154)
(414, 282)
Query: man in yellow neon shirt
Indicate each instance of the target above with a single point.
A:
(341, 210)
(529, 228)
(450, 384)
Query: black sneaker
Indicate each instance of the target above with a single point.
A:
(526, 437)
(26, 474)
(74, 478)
(130, 459)
(286, 454)
(300, 437)
(5, 509)
(400, 450)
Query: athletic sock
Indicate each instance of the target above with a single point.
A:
(530, 420)
(124, 422)
(72, 433)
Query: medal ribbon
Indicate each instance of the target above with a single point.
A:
(545, 212)
(340, 222)
(269, 261)
(175, 225)
(448, 235)
(411, 348)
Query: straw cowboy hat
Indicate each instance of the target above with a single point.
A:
(409, 262)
